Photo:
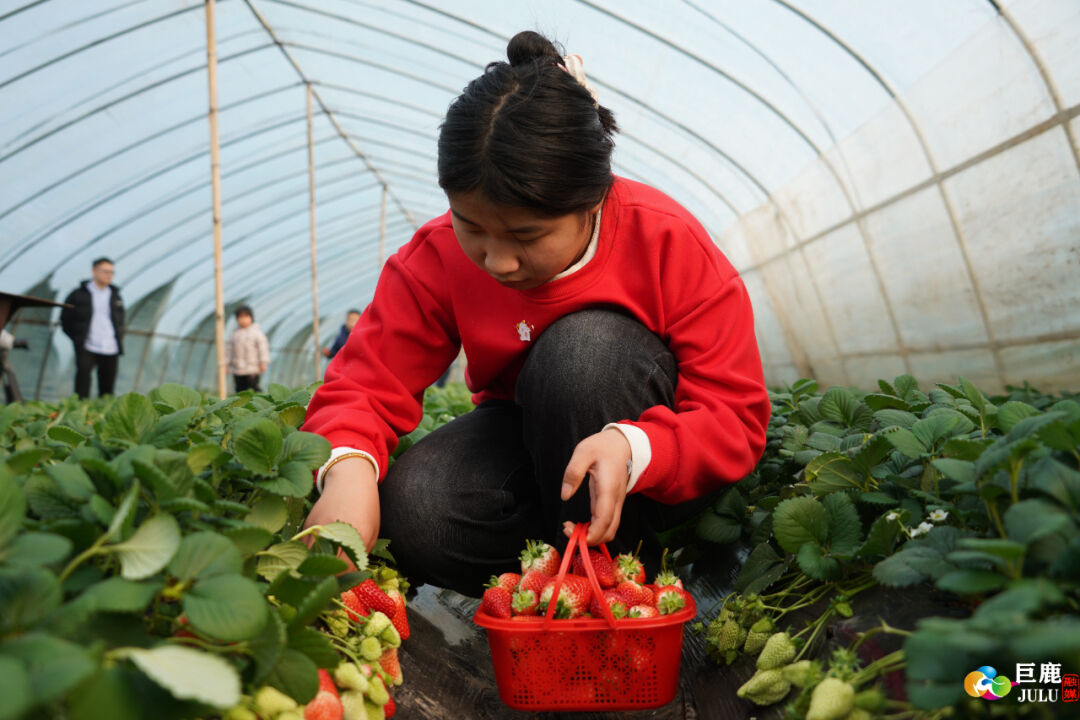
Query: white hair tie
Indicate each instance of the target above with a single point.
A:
(574, 66)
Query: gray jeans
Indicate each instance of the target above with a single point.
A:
(458, 505)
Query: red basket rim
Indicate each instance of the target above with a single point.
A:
(491, 622)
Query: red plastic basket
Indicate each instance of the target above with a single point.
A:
(587, 663)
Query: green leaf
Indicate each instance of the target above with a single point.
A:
(295, 675)
(1007, 550)
(881, 401)
(269, 512)
(249, 539)
(176, 396)
(961, 471)
(813, 562)
(204, 555)
(316, 646)
(15, 695)
(881, 538)
(1022, 598)
(1056, 480)
(308, 448)
(108, 688)
(838, 405)
(23, 461)
(116, 594)
(266, 647)
(1052, 638)
(27, 596)
(905, 441)
(292, 416)
(718, 529)
(257, 444)
(72, 480)
(831, 472)
(129, 419)
(876, 497)
(971, 582)
(905, 385)
(155, 479)
(1029, 520)
(12, 506)
(320, 565)
(896, 418)
(933, 428)
(33, 549)
(761, 559)
(55, 666)
(800, 520)
(66, 435)
(974, 395)
(150, 549)
(845, 529)
(226, 607)
(1012, 412)
(202, 455)
(912, 565)
(293, 479)
(281, 557)
(125, 514)
(349, 539)
(170, 428)
(314, 603)
(190, 674)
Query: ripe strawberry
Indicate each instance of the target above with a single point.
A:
(628, 567)
(605, 573)
(508, 581)
(389, 708)
(371, 595)
(613, 600)
(355, 607)
(666, 578)
(633, 593)
(538, 555)
(524, 602)
(670, 600)
(573, 599)
(390, 664)
(399, 618)
(496, 602)
(326, 705)
(534, 580)
(643, 611)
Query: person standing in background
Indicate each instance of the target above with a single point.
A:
(248, 350)
(343, 334)
(95, 324)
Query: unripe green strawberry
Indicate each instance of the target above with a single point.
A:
(377, 692)
(240, 712)
(353, 704)
(338, 622)
(374, 712)
(348, 676)
(297, 714)
(765, 687)
(391, 637)
(779, 651)
(872, 700)
(370, 649)
(376, 624)
(729, 636)
(270, 701)
(858, 714)
(832, 700)
(755, 641)
(798, 673)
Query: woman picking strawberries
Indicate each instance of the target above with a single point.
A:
(606, 338)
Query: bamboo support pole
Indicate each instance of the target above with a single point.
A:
(382, 231)
(314, 244)
(215, 179)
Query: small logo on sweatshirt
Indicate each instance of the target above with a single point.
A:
(524, 331)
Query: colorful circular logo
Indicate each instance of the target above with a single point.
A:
(986, 683)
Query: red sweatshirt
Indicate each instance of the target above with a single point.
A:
(653, 259)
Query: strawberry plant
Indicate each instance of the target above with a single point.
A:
(974, 496)
(153, 562)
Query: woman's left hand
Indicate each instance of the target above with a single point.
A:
(603, 457)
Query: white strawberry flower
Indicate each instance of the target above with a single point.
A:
(915, 532)
(939, 515)
(892, 516)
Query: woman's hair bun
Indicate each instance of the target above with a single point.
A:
(528, 46)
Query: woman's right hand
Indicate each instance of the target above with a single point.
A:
(350, 494)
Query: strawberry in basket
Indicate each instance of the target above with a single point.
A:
(573, 599)
(538, 555)
(605, 573)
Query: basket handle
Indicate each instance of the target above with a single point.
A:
(577, 544)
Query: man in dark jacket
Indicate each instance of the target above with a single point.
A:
(95, 323)
(351, 318)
